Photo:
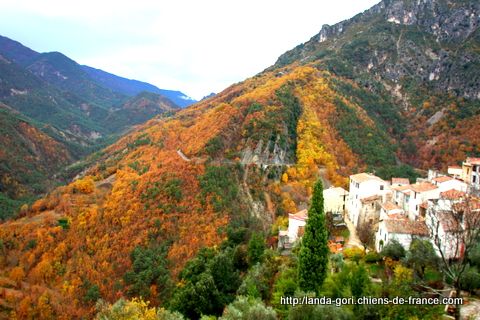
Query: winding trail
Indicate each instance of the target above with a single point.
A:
(182, 155)
(353, 240)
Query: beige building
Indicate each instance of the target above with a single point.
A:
(335, 199)
(365, 186)
(471, 172)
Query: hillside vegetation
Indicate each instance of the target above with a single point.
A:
(177, 210)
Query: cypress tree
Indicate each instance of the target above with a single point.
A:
(313, 256)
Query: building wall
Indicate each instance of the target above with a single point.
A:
(362, 190)
(293, 225)
(455, 172)
(449, 244)
(382, 234)
(452, 184)
(417, 198)
(334, 201)
(370, 211)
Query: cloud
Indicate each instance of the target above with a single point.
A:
(195, 46)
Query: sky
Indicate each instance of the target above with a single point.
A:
(197, 47)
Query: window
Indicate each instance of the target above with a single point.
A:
(381, 187)
(474, 179)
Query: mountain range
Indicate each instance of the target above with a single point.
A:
(76, 108)
(394, 90)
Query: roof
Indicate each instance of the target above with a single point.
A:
(452, 194)
(406, 226)
(454, 167)
(401, 188)
(363, 177)
(371, 198)
(397, 216)
(442, 179)
(301, 215)
(474, 161)
(336, 190)
(389, 206)
(423, 187)
(401, 181)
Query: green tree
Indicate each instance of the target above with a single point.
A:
(149, 266)
(313, 256)
(244, 308)
(256, 247)
(420, 256)
(394, 250)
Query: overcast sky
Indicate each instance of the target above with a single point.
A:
(194, 46)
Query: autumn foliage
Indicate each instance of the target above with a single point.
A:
(179, 181)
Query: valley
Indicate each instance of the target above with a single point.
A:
(177, 211)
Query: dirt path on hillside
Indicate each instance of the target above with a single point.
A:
(353, 240)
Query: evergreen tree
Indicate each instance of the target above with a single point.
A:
(256, 247)
(313, 256)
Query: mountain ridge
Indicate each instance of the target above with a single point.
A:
(240, 161)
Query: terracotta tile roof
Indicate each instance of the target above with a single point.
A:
(389, 206)
(474, 161)
(452, 194)
(401, 181)
(402, 188)
(423, 187)
(397, 216)
(442, 179)
(301, 215)
(407, 227)
(362, 177)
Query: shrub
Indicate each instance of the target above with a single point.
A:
(470, 280)
(394, 250)
(248, 308)
(372, 257)
(85, 185)
(354, 254)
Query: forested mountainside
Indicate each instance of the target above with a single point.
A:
(218, 172)
(425, 54)
(54, 95)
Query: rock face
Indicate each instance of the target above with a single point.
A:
(435, 41)
(268, 155)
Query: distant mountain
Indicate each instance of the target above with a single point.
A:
(16, 52)
(60, 100)
(141, 108)
(27, 158)
(132, 87)
(212, 94)
(383, 91)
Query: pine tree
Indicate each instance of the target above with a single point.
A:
(313, 256)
